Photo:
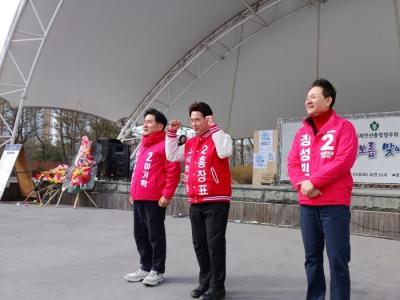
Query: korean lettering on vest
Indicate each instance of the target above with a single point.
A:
(201, 171)
(187, 167)
(305, 142)
(146, 170)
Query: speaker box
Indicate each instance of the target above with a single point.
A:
(120, 161)
(114, 163)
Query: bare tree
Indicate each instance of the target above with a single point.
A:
(71, 126)
(38, 125)
(101, 128)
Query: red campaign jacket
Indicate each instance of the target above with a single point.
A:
(207, 172)
(153, 175)
(326, 160)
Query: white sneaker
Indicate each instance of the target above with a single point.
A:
(153, 278)
(139, 275)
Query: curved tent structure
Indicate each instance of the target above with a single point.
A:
(251, 60)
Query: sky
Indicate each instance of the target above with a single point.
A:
(7, 11)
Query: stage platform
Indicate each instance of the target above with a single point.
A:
(375, 212)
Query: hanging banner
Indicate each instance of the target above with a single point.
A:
(378, 159)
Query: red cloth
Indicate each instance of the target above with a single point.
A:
(320, 120)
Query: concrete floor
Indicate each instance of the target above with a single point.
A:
(65, 253)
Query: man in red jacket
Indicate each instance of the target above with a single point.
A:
(322, 154)
(208, 185)
(153, 184)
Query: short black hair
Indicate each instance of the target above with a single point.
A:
(328, 90)
(158, 116)
(202, 107)
(182, 140)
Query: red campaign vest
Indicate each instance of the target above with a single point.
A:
(207, 177)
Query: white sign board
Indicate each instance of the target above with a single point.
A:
(265, 141)
(7, 163)
(265, 152)
(378, 159)
(287, 130)
(259, 161)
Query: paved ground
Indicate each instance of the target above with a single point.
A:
(64, 253)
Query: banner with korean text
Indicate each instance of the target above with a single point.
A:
(378, 160)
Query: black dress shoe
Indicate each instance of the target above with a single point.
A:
(200, 290)
(213, 295)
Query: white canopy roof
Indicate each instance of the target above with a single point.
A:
(115, 58)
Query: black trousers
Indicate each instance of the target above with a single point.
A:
(149, 232)
(209, 221)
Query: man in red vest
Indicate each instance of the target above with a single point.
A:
(208, 185)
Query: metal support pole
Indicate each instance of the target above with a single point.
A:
(11, 32)
(217, 43)
(18, 118)
(38, 52)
